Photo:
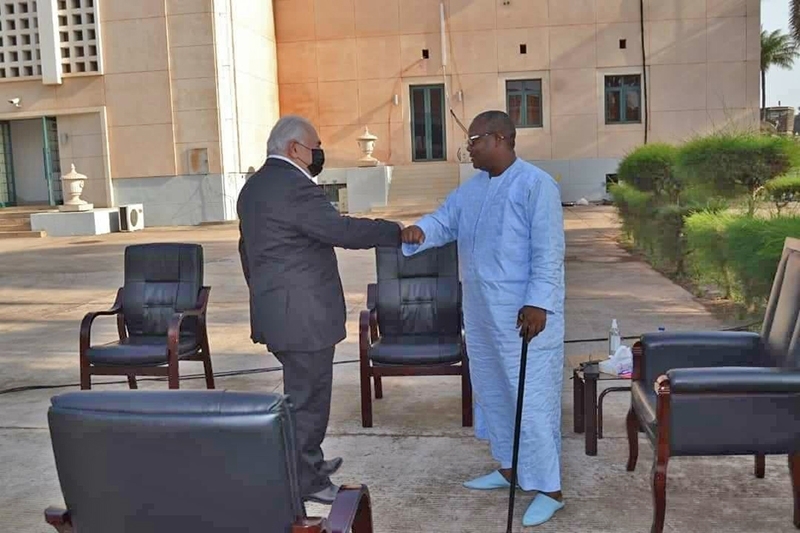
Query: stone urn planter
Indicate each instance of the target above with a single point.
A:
(72, 187)
(367, 144)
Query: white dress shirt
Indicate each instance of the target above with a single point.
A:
(295, 165)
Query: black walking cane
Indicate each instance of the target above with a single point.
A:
(523, 363)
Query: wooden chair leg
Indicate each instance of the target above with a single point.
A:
(86, 378)
(632, 424)
(466, 395)
(378, 387)
(173, 376)
(207, 364)
(760, 465)
(659, 490)
(366, 394)
(132, 382)
(794, 470)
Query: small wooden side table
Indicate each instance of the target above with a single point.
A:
(587, 407)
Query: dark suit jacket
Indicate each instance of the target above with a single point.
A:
(288, 231)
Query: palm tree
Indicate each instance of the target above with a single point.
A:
(794, 18)
(778, 49)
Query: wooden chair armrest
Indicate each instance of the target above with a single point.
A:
(174, 327)
(368, 327)
(311, 525)
(88, 319)
(59, 519)
(351, 510)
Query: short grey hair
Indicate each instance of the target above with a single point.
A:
(287, 129)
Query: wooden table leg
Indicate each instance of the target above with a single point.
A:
(590, 374)
(577, 402)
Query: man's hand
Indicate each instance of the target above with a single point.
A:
(531, 321)
(412, 235)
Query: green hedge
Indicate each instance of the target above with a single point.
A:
(656, 230)
(736, 164)
(783, 190)
(633, 205)
(739, 254)
(650, 168)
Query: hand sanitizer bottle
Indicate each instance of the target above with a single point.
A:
(614, 338)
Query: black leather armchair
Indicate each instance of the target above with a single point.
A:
(413, 324)
(161, 317)
(172, 461)
(723, 393)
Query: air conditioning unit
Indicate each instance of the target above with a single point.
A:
(131, 217)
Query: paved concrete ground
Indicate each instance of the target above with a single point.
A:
(417, 454)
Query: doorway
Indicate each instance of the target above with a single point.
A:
(7, 196)
(52, 161)
(30, 162)
(428, 136)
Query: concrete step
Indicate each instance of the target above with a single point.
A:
(22, 234)
(15, 223)
(422, 183)
(32, 208)
(406, 211)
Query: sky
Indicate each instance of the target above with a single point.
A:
(783, 85)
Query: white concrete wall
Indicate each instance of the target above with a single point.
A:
(178, 200)
(368, 188)
(27, 145)
(579, 178)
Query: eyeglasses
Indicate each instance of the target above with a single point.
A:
(473, 138)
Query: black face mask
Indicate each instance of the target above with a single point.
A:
(317, 162)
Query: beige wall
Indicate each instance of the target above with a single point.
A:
(340, 62)
(137, 88)
(82, 143)
(193, 84)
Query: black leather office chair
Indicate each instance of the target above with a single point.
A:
(174, 461)
(161, 317)
(723, 393)
(413, 324)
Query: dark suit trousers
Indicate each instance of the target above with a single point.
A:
(307, 380)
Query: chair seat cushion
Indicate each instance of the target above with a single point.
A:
(416, 350)
(644, 404)
(139, 350)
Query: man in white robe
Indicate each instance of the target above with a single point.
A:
(508, 222)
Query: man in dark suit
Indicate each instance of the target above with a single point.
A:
(288, 233)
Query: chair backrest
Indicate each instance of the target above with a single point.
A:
(160, 280)
(781, 327)
(418, 295)
(167, 461)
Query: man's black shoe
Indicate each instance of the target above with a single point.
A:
(329, 468)
(324, 496)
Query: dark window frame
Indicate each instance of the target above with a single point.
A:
(622, 90)
(522, 92)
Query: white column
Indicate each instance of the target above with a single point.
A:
(47, 13)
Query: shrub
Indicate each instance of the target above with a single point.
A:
(705, 249)
(754, 247)
(734, 164)
(649, 168)
(633, 206)
(783, 190)
(739, 254)
(668, 242)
